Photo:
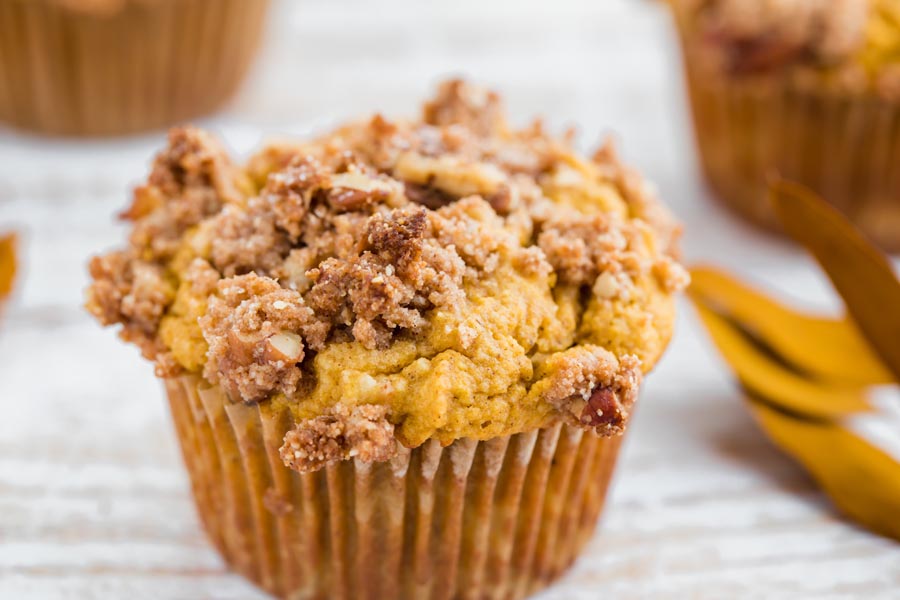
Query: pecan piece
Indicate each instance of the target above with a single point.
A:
(284, 346)
(427, 196)
(604, 412)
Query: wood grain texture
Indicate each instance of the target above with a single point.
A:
(93, 500)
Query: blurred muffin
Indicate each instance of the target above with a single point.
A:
(400, 357)
(107, 67)
(809, 89)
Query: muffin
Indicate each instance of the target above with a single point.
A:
(806, 89)
(106, 67)
(400, 357)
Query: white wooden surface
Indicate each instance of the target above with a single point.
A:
(93, 500)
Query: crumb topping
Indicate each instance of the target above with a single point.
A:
(361, 432)
(399, 281)
(255, 330)
(135, 294)
(593, 388)
(845, 40)
(191, 180)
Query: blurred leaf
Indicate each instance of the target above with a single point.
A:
(806, 376)
(861, 479)
(7, 264)
(765, 374)
(861, 274)
(826, 349)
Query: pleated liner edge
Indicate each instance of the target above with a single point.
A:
(494, 519)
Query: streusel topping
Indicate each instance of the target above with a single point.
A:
(853, 42)
(396, 281)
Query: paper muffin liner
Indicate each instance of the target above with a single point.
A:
(138, 66)
(844, 145)
(492, 519)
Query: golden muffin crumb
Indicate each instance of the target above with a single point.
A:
(400, 281)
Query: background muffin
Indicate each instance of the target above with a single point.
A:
(804, 88)
(417, 338)
(106, 67)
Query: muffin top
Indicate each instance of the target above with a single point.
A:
(440, 278)
(854, 43)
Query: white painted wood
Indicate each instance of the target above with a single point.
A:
(93, 500)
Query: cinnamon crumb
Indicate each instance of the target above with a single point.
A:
(243, 326)
(579, 248)
(361, 432)
(191, 180)
(133, 292)
(640, 197)
(760, 36)
(458, 102)
(594, 388)
(399, 272)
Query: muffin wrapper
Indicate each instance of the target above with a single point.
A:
(843, 145)
(146, 64)
(490, 519)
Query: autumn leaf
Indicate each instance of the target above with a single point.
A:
(806, 378)
(7, 264)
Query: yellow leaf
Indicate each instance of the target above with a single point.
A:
(827, 349)
(761, 372)
(7, 264)
(861, 274)
(861, 479)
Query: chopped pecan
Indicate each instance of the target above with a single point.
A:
(428, 196)
(603, 410)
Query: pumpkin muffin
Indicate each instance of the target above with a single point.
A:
(109, 67)
(807, 89)
(400, 357)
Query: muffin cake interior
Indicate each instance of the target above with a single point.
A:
(397, 281)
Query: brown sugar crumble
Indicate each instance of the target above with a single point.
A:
(362, 432)
(768, 34)
(396, 281)
(595, 388)
(847, 46)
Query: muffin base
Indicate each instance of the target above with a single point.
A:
(143, 66)
(843, 145)
(493, 519)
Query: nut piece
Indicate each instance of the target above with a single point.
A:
(603, 411)
(451, 175)
(606, 286)
(353, 190)
(285, 346)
